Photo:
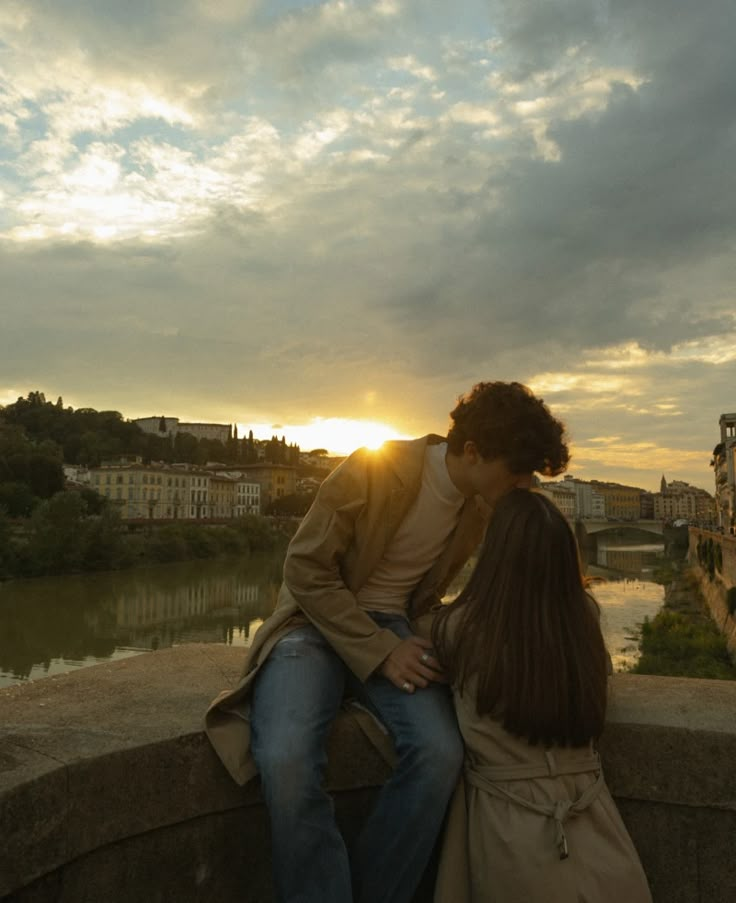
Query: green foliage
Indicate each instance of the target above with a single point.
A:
(718, 557)
(63, 538)
(96, 503)
(166, 544)
(57, 538)
(17, 499)
(104, 546)
(664, 572)
(731, 600)
(260, 534)
(295, 505)
(8, 558)
(676, 644)
(202, 542)
(33, 464)
(86, 436)
(708, 557)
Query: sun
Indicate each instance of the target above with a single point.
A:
(340, 435)
(337, 435)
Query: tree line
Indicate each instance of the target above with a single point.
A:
(37, 437)
(46, 529)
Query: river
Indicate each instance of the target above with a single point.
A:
(52, 625)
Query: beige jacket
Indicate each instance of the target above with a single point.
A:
(343, 536)
(532, 825)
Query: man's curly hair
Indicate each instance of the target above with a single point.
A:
(506, 420)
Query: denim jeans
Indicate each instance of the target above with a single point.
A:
(296, 696)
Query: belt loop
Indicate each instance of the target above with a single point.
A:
(551, 763)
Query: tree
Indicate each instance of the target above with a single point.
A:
(295, 505)
(8, 560)
(17, 499)
(57, 537)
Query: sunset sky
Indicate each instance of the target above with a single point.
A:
(295, 214)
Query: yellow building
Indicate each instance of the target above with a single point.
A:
(153, 491)
(621, 502)
(223, 496)
(275, 480)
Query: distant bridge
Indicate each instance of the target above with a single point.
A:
(593, 525)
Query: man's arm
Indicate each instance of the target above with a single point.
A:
(312, 571)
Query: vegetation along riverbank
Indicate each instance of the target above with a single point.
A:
(682, 640)
(62, 536)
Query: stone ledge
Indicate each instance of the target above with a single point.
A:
(92, 761)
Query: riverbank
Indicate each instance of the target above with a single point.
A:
(61, 538)
(682, 640)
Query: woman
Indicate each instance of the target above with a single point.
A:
(533, 821)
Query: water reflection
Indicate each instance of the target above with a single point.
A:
(52, 625)
(625, 592)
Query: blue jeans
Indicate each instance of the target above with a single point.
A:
(296, 697)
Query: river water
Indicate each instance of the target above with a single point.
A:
(57, 624)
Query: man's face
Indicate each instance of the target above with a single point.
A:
(491, 478)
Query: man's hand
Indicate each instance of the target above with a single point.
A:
(412, 665)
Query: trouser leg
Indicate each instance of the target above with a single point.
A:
(396, 842)
(296, 697)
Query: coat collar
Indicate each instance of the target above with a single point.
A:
(406, 457)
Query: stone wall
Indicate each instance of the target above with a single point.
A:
(110, 792)
(714, 591)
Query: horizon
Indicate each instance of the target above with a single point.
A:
(373, 434)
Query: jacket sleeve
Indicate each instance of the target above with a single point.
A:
(312, 570)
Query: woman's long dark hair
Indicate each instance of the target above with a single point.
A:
(526, 630)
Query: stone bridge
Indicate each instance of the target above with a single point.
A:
(109, 790)
(600, 525)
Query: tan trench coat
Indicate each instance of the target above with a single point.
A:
(343, 536)
(502, 842)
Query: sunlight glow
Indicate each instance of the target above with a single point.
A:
(338, 435)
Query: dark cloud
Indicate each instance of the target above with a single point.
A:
(448, 255)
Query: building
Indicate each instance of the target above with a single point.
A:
(248, 498)
(724, 467)
(647, 506)
(681, 501)
(170, 426)
(220, 432)
(234, 495)
(588, 503)
(223, 496)
(562, 497)
(161, 426)
(153, 491)
(275, 480)
(77, 474)
(621, 502)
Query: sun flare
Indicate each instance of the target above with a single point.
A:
(338, 435)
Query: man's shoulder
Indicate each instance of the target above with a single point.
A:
(404, 458)
(394, 449)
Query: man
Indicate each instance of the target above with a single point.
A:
(386, 534)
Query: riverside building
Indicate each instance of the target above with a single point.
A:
(160, 491)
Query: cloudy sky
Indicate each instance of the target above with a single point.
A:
(285, 213)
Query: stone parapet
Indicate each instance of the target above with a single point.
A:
(109, 790)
